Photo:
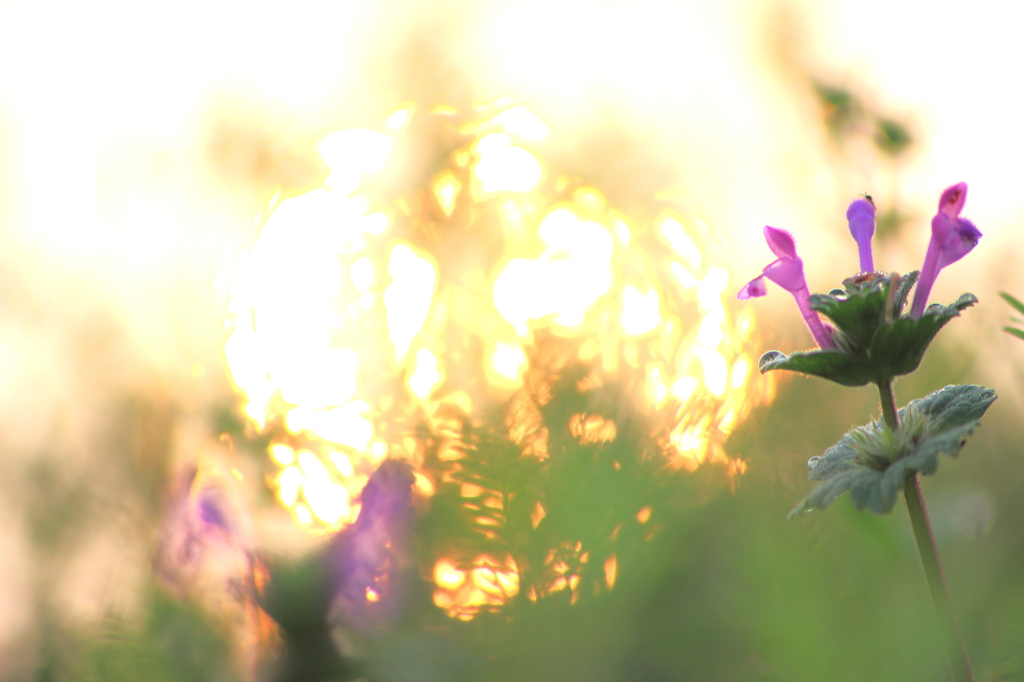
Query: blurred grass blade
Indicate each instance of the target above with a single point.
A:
(1017, 305)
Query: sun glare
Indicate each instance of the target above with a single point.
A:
(350, 311)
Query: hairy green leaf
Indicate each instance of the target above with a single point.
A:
(939, 422)
(870, 349)
(843, 368)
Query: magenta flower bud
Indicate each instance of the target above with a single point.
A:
(861, 215)
(788, 272)
(953, 238)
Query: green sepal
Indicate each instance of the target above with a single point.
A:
(857, 313)
(939, 422)
(903, 293)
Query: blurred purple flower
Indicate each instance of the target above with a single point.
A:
(371, 561)
(205, 554)
(788, 272)
(953, 238)
(861, 215)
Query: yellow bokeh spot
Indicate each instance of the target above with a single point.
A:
(303, 514)
(504, 166)
(538, 514)
(288, 483)
(378, 449)
(611, 569)
(508, 360)
(282, 454)
(485, 583)
(641, 312)
(400, 117)
(362, 274)
(740, 369)
(447, 576)
(342, 463)
(427, 375)
(523, 123)
(353, 153)
(572, 273)
(674, 234)
(344, 331)
(446, 191)
(407, 299)
(423, 485)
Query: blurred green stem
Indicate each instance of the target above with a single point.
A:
(956, 652)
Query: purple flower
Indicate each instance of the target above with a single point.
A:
(952, 238)
(371, 562)
(788, 272)
(861, 215)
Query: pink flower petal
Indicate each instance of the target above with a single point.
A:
(959, 241)
(788, 273)
(952, 200)
(780, 242)
(755, 288)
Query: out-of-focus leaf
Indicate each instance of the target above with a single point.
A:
(1017, 305)
(1019, 333)
(891, 136)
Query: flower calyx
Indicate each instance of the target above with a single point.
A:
(874, 340)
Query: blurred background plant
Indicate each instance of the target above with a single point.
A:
(140, 512)
(1019, 307)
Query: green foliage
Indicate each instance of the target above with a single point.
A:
(176, 643)
(588, 489)
(875, 340)
(1019, 307)
(873, 462)
(842, 368)
(848, 115)
(891, 136)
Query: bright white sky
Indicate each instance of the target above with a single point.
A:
(106, 109)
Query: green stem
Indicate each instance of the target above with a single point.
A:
(956, 652)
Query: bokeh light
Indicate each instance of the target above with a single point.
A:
(496, 273)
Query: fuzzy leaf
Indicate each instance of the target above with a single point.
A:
(954, 405)
(954, 412)
(869, 349)
(857, 316)
(897, 349)
(1019, 333)
(822, 496)
(843, 368)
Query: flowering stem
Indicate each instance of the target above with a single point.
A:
(814, 323)
(956, 652)
(929, 272)
(888, 404)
